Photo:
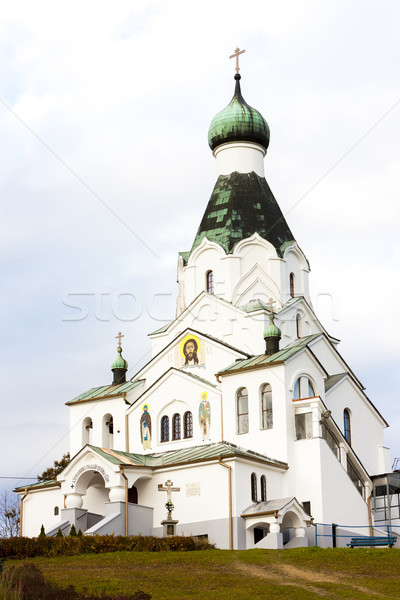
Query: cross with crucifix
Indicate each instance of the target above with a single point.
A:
(168, 487)
(118, 337)
(236, 53)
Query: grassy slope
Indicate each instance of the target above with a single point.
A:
(303, 573)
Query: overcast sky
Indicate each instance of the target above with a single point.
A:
(105, 173)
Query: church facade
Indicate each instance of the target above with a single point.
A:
(246, 426)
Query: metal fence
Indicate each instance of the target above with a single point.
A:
(335, 535)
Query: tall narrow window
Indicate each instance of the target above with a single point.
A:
(263, 485)
(266, 407)
(87, 428)
(242, 402)
(165, 429)
(298, 325)
(311, 392)
(254, 487)
(291, 279)
(296, 389)
(108, 431)
(176, 427)
(188, 424)
(346, 426)
(210, 282)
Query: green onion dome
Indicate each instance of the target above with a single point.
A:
(238, 122)
(272, 330)
(119, 362)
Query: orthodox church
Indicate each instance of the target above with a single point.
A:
(246, 426)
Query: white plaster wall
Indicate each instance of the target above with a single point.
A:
(366, 427)
(321, 479)
(242, 484)
(174, 394)
(217, 357)
(38, 510)
(270, 442)
(212, 502)
(96, 410)
(243, 157)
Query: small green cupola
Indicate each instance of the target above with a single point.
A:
(119, 365)
(238, 122)
(272, 334)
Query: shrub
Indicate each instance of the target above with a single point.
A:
(72, 531)
(73, 545)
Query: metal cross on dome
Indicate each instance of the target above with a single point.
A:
(271, 308)
(118, 337)
(237, 52)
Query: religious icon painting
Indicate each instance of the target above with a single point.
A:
(204, 416)
(190, 353)
(145, 428)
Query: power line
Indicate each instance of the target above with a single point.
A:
(8, 477)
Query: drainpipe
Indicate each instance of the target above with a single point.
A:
(126, 433)
(21, 511)
(121, 468)
(222, 421)
(371, 530)
(230, 500)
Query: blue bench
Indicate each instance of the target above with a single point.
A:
(384, 540)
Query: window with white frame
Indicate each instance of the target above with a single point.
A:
(242, 408)
(266, 406)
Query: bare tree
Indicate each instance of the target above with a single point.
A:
(9, 514)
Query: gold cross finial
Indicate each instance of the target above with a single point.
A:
(118, 337)
(237, 52)
(271, 302)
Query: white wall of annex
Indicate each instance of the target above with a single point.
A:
(95, 411)
(38, 510)
(211, 499)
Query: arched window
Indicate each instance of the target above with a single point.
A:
(187, 425)
(87, 428)
(263, 485)
(176, 427)
(210, 282)
(56, 511)
(303, 388)
(165, 429)
(296, 389)
(298, 325)
(266, 407)
(133, 495)
(254, 487)
(346, 426)
(108, 431)
(291, 279)
(242, 404)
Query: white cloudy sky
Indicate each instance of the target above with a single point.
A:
(104, 111)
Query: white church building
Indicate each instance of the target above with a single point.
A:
(246, 417)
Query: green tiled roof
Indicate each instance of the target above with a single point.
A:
(253, 305)
(330, 381)
(262, 359)
(106, 390)
(38, 485)
(185, 455)
(242, 204)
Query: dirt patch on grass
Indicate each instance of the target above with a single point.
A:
(288, 575)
